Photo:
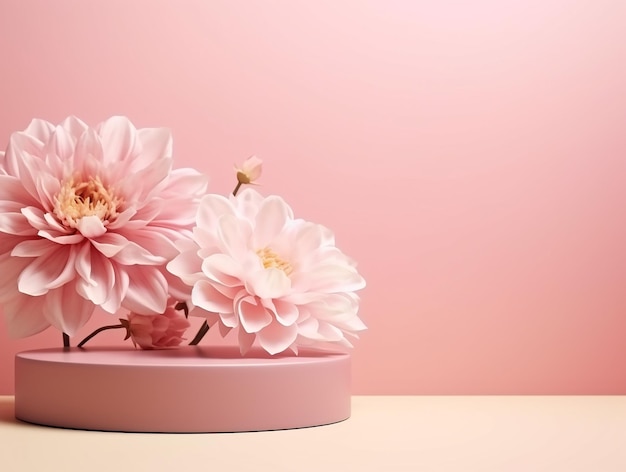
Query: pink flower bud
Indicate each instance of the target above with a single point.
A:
(250, 170)
(158, 331)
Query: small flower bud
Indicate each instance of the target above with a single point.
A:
(160, 331)
(250, 170)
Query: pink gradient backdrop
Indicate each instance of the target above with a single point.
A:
(470, 155)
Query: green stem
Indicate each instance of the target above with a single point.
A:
(66, 340)
(237, 188)
(204, 329)
(99, 330)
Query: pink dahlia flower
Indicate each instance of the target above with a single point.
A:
(161, 331)
(88, 217)
(276, 279)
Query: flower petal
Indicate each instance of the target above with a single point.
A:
(35, 217)
(246, 340)
(247, 203)
(328, 277)
(276, 338)
(47, 270)
(134, 254)
(33, 248)
(88, 151)
(268, 283)
(110, 244)
(20, 326)
(15, 223)
(187, 266)
(147, 290)
(22, 161)
(13, 196)
(101, 277)
(286, 313)
(118, 290)
(230, 320)
(300, 243)
(205, 296)
(211, 209)
(154, 241)
(40, 129)
(141, 184)
(53, 224)
(222, 269)
(66, 239)
(74, 126)
(156, 143)
(253, 315)
(91, 226)
(125, 252)
(11, 269)
(308, 328)
(66, 310)
(270, 220)
(328, 332)
(234, 234)
(59, 144)
(225, 329)
(185, 182)
(118, 137)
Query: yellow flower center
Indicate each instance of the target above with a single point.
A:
(85, 198)
(270, 259)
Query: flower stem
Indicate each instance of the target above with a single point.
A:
(182, 306)
(204, 329)
(237, 188)
(66, 340)
(99, 330)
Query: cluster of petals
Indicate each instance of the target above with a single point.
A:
(89, 217)
(158, 331)
(278, 281)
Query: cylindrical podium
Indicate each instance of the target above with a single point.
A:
(194, 389)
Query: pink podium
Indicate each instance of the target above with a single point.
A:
(194, 389)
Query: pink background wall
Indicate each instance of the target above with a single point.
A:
(470, 155)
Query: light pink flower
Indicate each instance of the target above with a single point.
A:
(88, 217)
(158, 331)
(250, 170)
(273, 278)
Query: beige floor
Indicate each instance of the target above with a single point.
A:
(393, 433)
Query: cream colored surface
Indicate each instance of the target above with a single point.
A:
(384, 434)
